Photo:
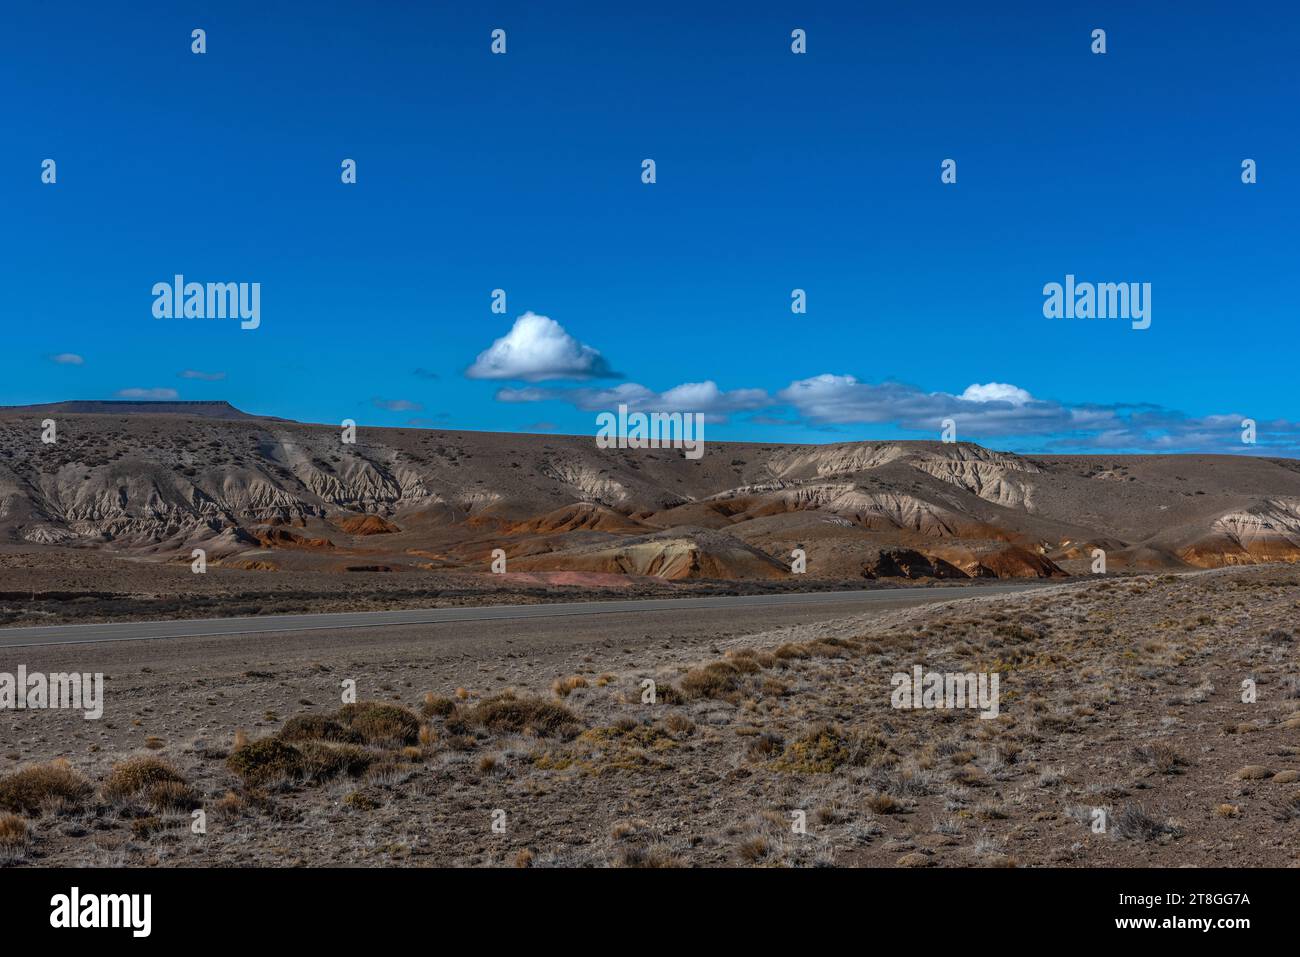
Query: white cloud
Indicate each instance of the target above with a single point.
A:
(204, 376)
(156, 394)
(704, 397)
(535, 349)
(996, 392)
(997, 410)
(993, 409)
(68, 359)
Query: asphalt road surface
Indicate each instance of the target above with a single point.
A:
(749, 608)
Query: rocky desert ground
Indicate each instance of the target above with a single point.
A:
(1119, 696)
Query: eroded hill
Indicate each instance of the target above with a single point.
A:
(268, 495)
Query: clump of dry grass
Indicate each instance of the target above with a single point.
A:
(435, 706)
(765, 746)
(15, 838)
(386, 725)
(1161, 756)
(753, 850)
(717, 679)
(821, 750)
(679, 724)
(884, 804)
(171, 796)
(508, 714)
(328, 759)
(266, 762)
(563, 687)
(656, 855)
(1133, 823)
(136, 774)
(54, 785)
(317, 727)
(230, 806)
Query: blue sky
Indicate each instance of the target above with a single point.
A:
(775, 171)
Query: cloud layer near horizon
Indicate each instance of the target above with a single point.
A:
(538, 348)
(982, 412)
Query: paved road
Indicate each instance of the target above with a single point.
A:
(217, 627)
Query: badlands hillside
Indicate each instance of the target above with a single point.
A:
(266, 495)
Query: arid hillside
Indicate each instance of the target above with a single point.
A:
(267, 495)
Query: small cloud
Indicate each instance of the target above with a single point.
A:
(397, 405)
(425, 374)
(996, 392)
(204, 376)
(543, 427)
(68, 359)
(703, 397)
(537, 348)
(155, 394)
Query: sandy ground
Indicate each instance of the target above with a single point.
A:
(1121, 697)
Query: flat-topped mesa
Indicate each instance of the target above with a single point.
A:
(200, 408)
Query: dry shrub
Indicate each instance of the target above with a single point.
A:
(563, 687)
(657, 855)
(15, 838)
(752, 850)
(508, 714)
(266, 762)
(436, 707)
(884, 804)
(718, 679)
(679, 724)
(171, 796)
(317, 727)
(55, 784)
(386, 725)
(1160, 756)
(666, 694)
(128, 778)
(1133, 823)
(821, 750)
(765, 746)
(329, 759)
(790, 651)
(230, 806)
